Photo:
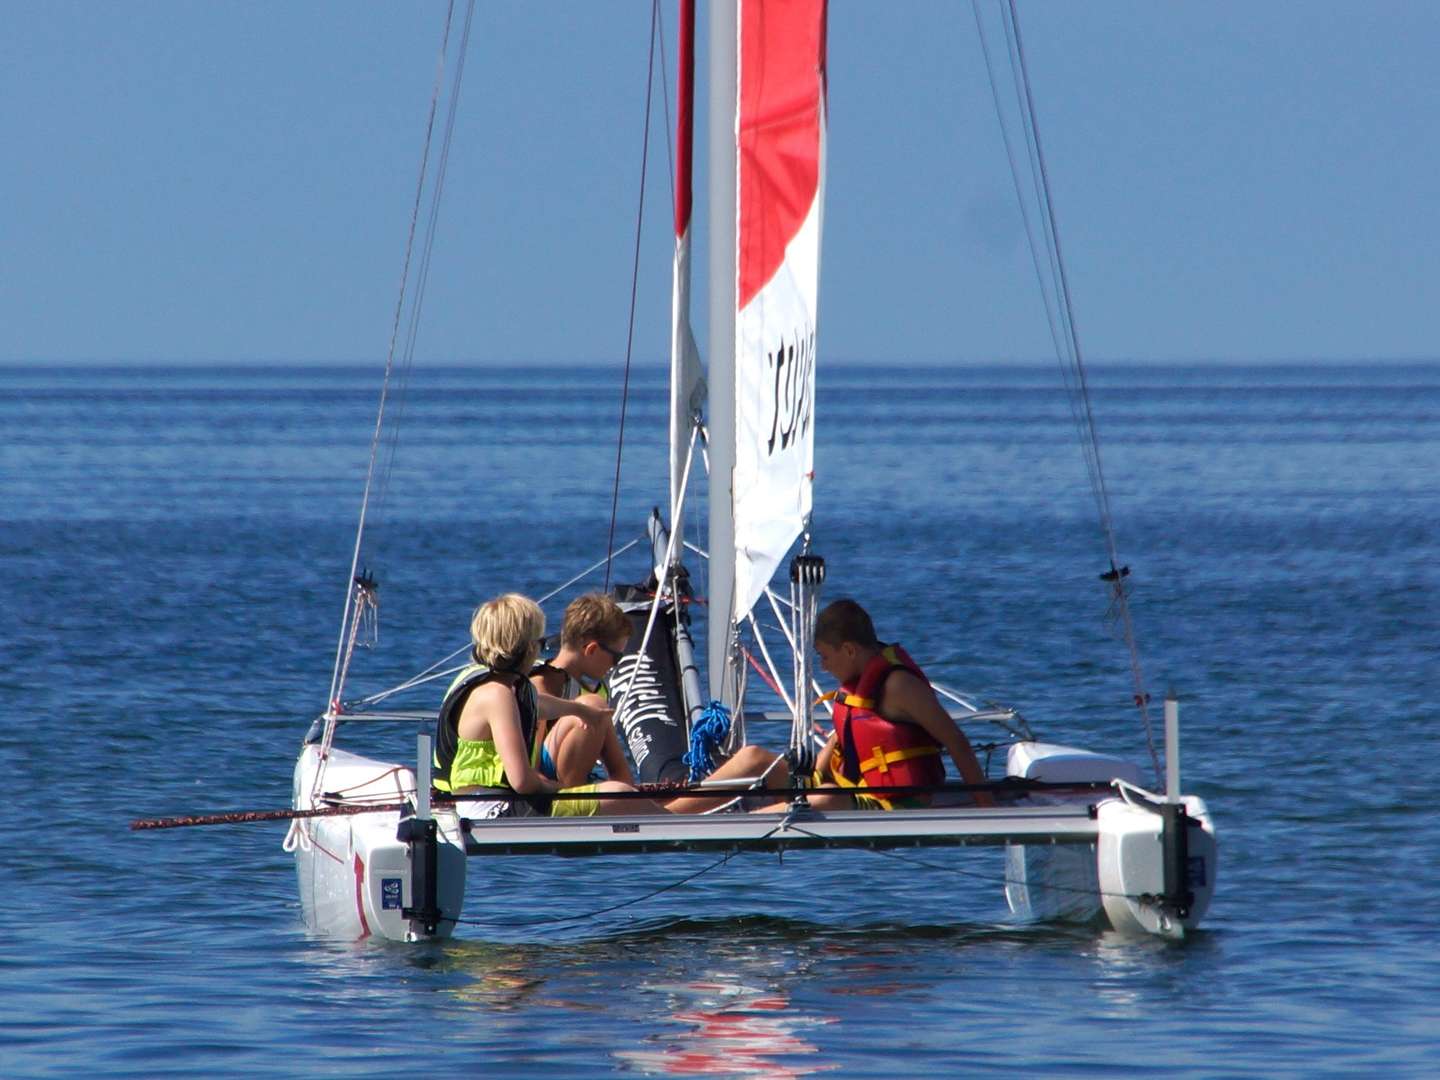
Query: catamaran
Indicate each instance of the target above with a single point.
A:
(377, 853)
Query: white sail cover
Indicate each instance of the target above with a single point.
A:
(780, 188)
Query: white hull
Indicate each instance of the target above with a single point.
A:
(1120, 879)
(356, 877)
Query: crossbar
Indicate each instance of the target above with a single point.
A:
(780, 831)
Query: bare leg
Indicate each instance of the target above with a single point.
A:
(574, 747)
(623, 806)
(748, 761)
(608, 750)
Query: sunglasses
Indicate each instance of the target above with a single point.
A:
(614, 656)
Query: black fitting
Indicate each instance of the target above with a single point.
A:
(1175, 852)
(807, 570)
(801, 762)
(424, 860)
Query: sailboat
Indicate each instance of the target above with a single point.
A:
(378, 854)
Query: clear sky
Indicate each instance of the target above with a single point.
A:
(232, 181)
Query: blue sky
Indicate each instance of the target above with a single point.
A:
(232, 182)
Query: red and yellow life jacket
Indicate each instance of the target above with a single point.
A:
(871, 751)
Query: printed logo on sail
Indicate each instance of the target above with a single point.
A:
(792, 367)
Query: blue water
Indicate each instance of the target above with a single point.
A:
(175, 545)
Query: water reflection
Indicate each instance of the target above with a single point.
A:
(729, 1027)
(700, 999)
(746, 997)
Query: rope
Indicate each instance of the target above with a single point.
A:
(807, 574)
(364, 615)
(706, 736)
(770, 680)
(634, 291)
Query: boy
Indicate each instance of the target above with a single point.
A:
(890, 729)
(593, 637)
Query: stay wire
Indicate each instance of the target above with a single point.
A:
(1066, 338)
(1048, 284)
(665, 104)
(1121, 599)
(335, 679)
(634, 291)
(428, 248)
(1062, 280)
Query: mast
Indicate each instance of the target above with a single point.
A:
(723, 83)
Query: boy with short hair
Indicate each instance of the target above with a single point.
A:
(890, 729)
(593, 637)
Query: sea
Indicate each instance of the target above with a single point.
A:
(176, 544)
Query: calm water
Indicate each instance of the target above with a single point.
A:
(175, 544)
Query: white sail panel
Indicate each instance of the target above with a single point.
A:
(780, 133)
(775, 415)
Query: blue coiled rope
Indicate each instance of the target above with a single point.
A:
(705, 738)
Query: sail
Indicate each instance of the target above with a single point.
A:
(686, 388)
(780, 133)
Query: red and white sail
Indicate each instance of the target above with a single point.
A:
(780, 187)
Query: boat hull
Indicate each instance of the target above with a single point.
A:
(1120, 879)
(356, 877)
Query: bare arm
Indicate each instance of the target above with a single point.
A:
(906, 697)
(826, 755)
(612, 756)
(491, 713)
(552, 708)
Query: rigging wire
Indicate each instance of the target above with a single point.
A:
(427, 249)
(434, 671)
(665, 104)
(634, 291)
(350, 599)
(1064, 333)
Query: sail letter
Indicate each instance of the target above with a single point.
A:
(781, 155)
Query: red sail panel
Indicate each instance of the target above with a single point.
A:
(780, 144)
(782, 82)
(685, 118)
